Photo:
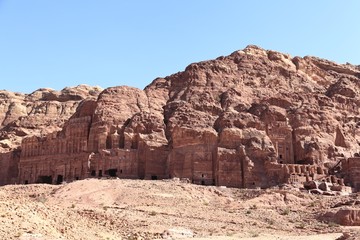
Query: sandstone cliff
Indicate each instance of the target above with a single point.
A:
(41, 112)
(33, 115)
(239, 120)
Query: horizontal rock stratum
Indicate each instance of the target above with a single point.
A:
(255, 118)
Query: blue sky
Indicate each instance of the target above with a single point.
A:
(62, 43)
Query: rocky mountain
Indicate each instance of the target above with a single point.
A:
(250, 119)
(39, 113)
(253, 88)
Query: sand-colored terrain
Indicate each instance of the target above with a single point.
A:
(138, 209)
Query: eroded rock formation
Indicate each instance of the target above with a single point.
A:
(33, 116)
(255, 118)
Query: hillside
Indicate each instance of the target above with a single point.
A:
(255, 127)
(140, 209)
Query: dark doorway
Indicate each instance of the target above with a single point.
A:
(112, 172)
(280, 156)
(154, 177)
(59, 179)
(301, 162)
(100, 173)
(45, 179)
(77, 178)
(202, 182)
(93, 173)
(26, 182)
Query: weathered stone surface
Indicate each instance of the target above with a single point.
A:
(311, 185)
(348, 217)
(324, 186)
(316, 191)
(255, 118)
(41, 112)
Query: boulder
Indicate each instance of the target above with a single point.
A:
(316, 191)
(348, 217)
(325, 186)
(311, 185)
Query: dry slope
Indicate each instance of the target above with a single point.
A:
(140, 209)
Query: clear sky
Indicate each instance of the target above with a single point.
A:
(48, 43)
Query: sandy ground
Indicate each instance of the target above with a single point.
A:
(138, 209)
(278, 237)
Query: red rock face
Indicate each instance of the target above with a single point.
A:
(33, 115)
(348, 217)
(41, 112)
(243, 120)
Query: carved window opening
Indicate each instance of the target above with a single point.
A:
(134, 144)
(60, 179)
(108, 143)
(121, 171)
(280, 156)
(202, 175)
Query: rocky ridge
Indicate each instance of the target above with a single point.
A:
(39, 113)
(260, 106)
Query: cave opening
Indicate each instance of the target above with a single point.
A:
(45, 179)
(60, 179)
(112, 172)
